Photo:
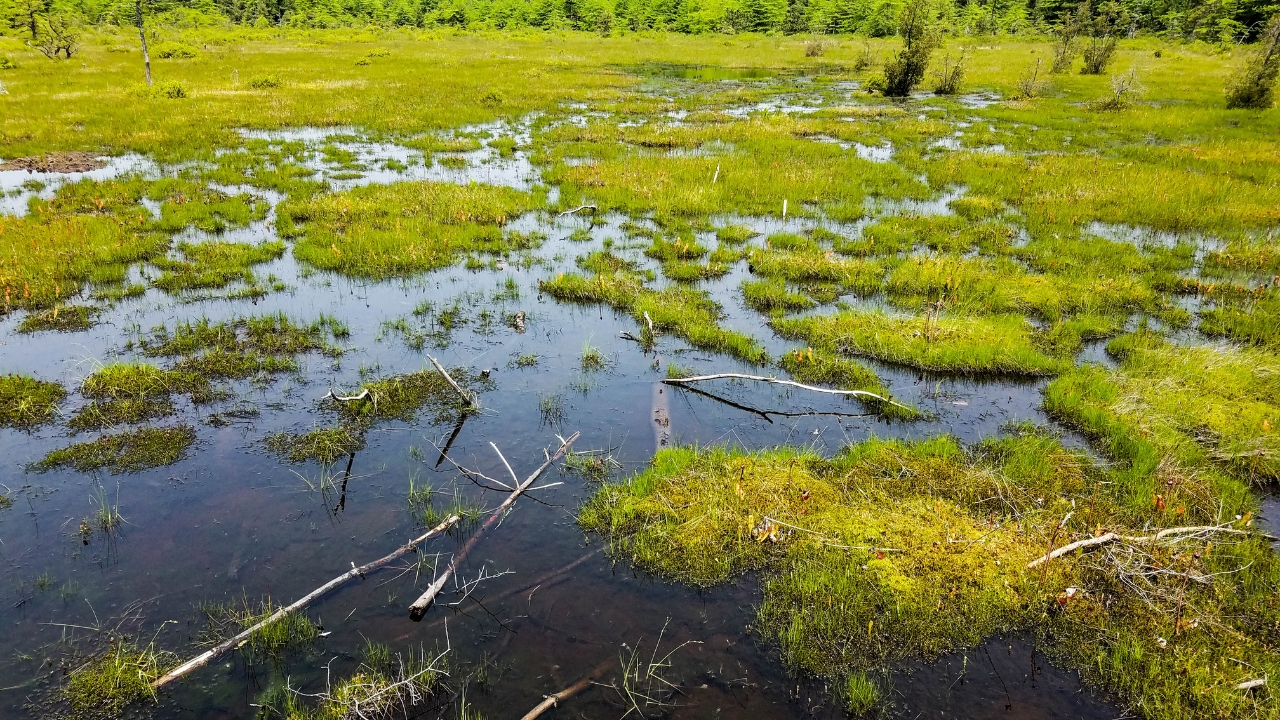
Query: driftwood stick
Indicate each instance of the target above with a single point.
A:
(424, 602)
(550, 701)
(1250, 684)
(791, 383)
(1112, 537)
(364, 393)
(578, 209)
(213, 653)
(467, 397)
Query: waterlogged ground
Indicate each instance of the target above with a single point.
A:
(232, 521)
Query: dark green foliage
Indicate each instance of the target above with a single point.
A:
(916, 25)
(126, 452)
(1253, 85)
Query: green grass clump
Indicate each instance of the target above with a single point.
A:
(734, 234)
(402, 397)
(61, 318)
(289, 634)
(213, 264)
(126, 452)
(688, 313)
(861, 694)
(382, 686)
(1207, 406)
(141, 381)
(324, 445)
(768, 295)
(233, 364)
(814, 266)
(105, 685)
(26, 402)
(383, 231)
(263, 335)
(906, 550)
(106, 413)
(995, 344)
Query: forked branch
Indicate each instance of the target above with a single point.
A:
(1163, 534)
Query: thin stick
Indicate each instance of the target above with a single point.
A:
(424, 602)
(213, 653)
(776, 381)
(551, 700)
(364, 393)
(578, 209)
(467, 397)
(1112, 537)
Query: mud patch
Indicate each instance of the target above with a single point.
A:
(56, 162)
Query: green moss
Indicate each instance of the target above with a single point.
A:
(126, 452)
(893, 550)
(324, 445)
(62, 318)
(995, 344)
(26, 402)
(105, 685)
(688, 313)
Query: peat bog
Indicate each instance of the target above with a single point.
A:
(237, 305)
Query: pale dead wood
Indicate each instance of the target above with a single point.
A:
(578, 209)
(424, 602)
(790, 383)
(1250, 684)
(1112, 537)
(364, 393)
(550, 701)
(213, 653)
(467, 397)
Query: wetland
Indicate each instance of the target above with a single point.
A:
(254, 331)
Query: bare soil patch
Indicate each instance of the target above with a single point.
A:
(55, 162)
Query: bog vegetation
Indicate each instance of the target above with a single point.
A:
(966, 189)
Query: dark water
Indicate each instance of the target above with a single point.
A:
(232, 521)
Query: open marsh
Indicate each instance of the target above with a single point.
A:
(217, 382)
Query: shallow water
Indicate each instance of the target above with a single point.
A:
(233, 521)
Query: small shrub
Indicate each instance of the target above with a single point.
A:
(174, 51)
(58, 35)
(165, 90)
(865, 58)
(1030, 85)
(1098, 54)
(1253, 85)
(492, 98)
(7, 64)
(907, 68)
(604, 23)
(1066, 43)
(815, 47)
(264, 82)
(950, 75)
(1124, 89)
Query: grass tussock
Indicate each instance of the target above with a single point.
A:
(214, 264)
(289, 635)
(997, 344)
(60, 318)
(384, 231)
(26, 402)
(685, 312)
(125, 452)
(324, 445)
(107, 684)
(403, 397)
(382, 686)
(276, 334)
(896, 550)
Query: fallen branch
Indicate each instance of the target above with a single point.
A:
(1112, 537)
(766, 413)
(791, 383)
(424, 602)
(467, 398)
(213, 653)
(364, 393)
(1248, 684)
(551, 700)
(578, 209)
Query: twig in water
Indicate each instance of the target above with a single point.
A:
(791, 383)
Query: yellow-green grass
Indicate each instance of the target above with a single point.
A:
(106, 413)
(685, 312)
(403, 397)
(404, 228)
(120, 676)
(27, 402)
(863, 277)
(141, 381)
(1003, 344)
(213, 264)
(126, 452)
(1210, 407)
(891, 550)
(769, 295)
(275, 334)
(61, 318)
(324, 445)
